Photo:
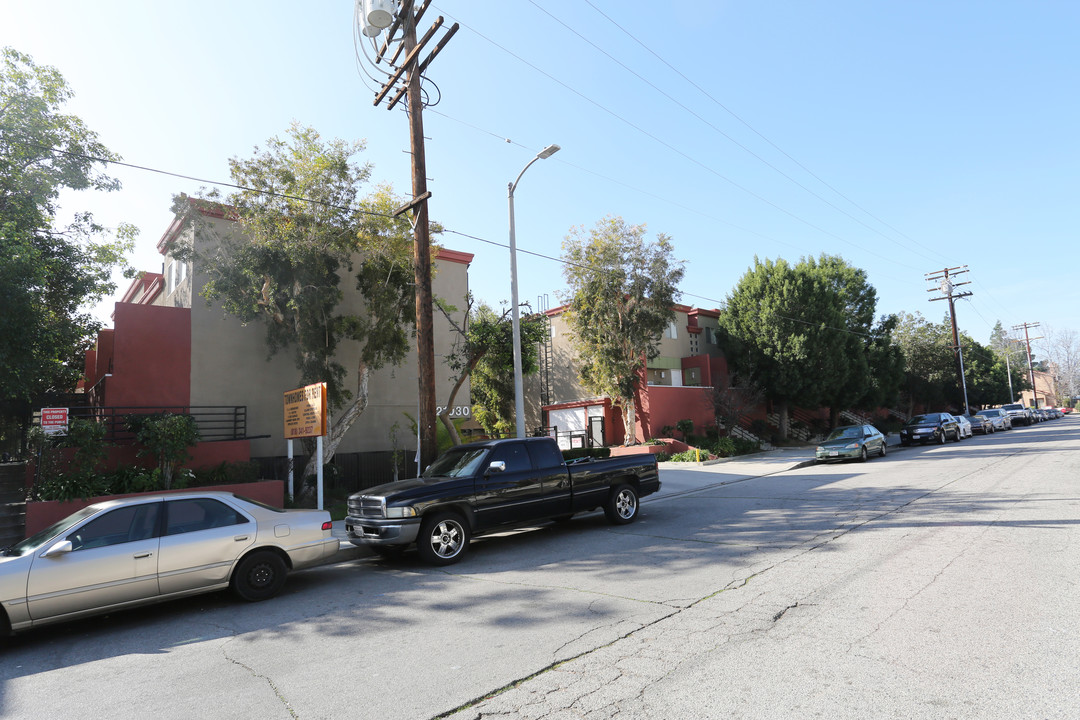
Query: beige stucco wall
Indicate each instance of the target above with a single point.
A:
(229, 366)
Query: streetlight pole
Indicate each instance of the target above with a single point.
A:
(515, 319)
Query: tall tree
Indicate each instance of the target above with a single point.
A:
(484, 339)
(50, 272)
(302, 226)
(809, 337)
(1062, 348)
(621, 297)
(488, 347)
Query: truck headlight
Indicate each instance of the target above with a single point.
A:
(400, 512)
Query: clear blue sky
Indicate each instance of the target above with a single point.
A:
(905, 136)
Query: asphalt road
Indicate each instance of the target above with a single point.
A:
(936, 582)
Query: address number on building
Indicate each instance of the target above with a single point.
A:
(456, 411)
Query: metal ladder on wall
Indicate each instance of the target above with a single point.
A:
(545, 356)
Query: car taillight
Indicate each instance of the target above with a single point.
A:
(328, 525)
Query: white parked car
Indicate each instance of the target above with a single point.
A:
(138, 550)
(965, 426)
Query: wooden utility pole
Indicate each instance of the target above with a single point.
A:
(1031, 368)
(945, 285)
(413, 68)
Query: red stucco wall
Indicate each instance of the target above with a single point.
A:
(151, 357)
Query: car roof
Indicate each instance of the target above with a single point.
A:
(158, 497)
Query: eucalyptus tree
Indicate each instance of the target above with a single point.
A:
(622, 289)
(303, 227)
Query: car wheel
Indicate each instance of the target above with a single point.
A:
(444, 539)
(882, 451)
(259, 576)
(956, 438)
(904, 443)
(941, 438)
(622, 505)
(862, 454)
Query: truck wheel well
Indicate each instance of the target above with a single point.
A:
(463, 511)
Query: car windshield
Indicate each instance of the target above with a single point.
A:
(460, 462)
(987, 413)
(843, 433)
(923, 419)
(40, 538)
(1012, 407)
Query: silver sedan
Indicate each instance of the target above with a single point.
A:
(138, 550)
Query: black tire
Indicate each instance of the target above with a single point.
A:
(957, 438)
(862, 454)
(443, 539)
(941, 438)
(259, 576)
(904, 443)
(622, 505)
(881, 452)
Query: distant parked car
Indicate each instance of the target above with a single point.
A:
(965, 426)
(1019, 414)
(136, 550)
(851, 442)
(999, 418)
(931, 427)
(980, 424)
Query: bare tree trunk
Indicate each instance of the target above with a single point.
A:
(785, 421)
(629, 423)
(444, 416)
(338, 429)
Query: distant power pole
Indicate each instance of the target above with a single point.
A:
(403, 80)
(1031, 368)
(945, 285)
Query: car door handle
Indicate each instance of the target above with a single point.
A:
(140, 556)
(241, 538)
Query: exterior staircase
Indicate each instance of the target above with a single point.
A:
(12, 503)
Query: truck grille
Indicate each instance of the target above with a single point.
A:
(367, 506)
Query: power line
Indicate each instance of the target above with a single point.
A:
(679, 152)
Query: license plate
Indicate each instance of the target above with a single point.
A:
(833, 453)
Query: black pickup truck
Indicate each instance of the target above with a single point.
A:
(485, 486)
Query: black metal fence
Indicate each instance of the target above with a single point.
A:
(215, 422)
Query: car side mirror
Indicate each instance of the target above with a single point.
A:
(497, 466)
(61, 548)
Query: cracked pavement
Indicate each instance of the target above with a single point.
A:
(936, 582)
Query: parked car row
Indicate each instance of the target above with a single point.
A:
(859, 442)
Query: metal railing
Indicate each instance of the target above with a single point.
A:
(216, 423)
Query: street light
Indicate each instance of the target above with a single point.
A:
(515, 320)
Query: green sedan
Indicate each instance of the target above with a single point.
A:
(851, 442)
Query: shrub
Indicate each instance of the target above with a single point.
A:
(685, 428)
(662, 457)
(226, 473)
(688, 456)
(167, 437)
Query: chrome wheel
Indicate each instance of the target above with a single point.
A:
(444, 539)
(622, 505)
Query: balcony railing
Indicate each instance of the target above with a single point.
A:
(216, 423)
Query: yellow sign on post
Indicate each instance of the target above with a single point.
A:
(305, 412)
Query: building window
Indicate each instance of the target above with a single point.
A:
(672, 331)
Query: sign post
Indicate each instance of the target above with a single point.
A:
(305, 417)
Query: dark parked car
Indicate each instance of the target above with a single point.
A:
(851, 442)
(931, 427)
(980, 424)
